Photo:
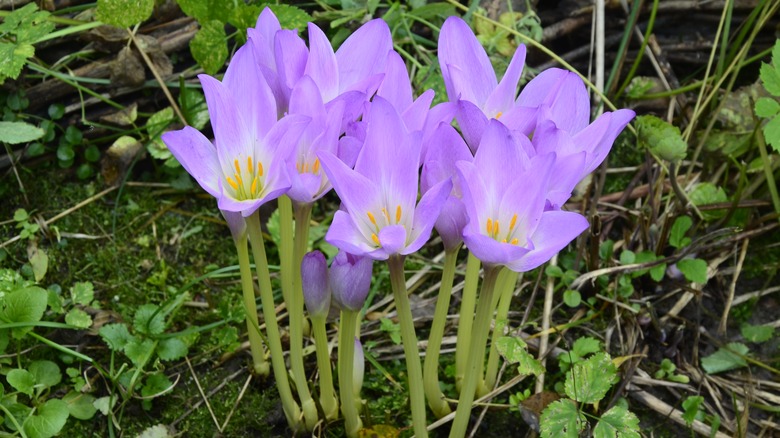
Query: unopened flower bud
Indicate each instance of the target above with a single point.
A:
(314, 280)
(350, 279)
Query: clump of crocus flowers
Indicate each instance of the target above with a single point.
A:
(292, 120)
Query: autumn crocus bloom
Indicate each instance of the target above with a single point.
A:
(350, 280)
(381, 218)
(244, 168)
(471, 80)
(505, 193)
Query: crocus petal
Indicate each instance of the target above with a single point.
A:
(393, 239)
(321, 65)
(280, 141)
(267, 24)
(291, 56)
(314, 282)
(396, 87)
(446, 149)
(521, 119)
(350, 279)
(499, 159)
(246, 207)
(236, 224)
(256, 104)
(565, 94)
(467, 71)
(525, 194)
(490, 251)
(428, 210)
(345, 235)
(197, 155)
(232, 135)
(568, 171)
(503, 97)
(359, 194)
(615, 123)
(349, 148)
(451, 222)
(472, 122)
(306, 99)
(556, 229)
(364, 53)
(416, 114)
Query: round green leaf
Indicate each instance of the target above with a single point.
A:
(49, 419)
(21, 380)
(56, 111)
(46, 373)
(572, 298)
(80, 405)
(19, 132)
(124, 13)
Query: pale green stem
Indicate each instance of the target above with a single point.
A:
(476, 353)
(295, 309)
(506, 287)
(330, 405)
(286, 247)
(466, 318)
(260, 365)
(409, 339)
(770, 178)
(352, 423)
(433, 393)
(291, 409)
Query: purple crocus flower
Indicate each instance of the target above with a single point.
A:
(504, 191)
(236, 224)
(471, 81)
(314, 281)
(350, 280)
(244, 168)
(381, 218)
(447, 148)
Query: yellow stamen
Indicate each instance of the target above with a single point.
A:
(498, 116)
(515, 241)
(489, 227)
(371, 218)
(232, 183)
(253, 189)
(387, 216)
(249, 167)
(305, 169)
(512, 223)
(503, 240)
(260, 169)
(495, 231)
(238, 168)
(239, 180)
(398, 214)
(375, 239)
(316, 167)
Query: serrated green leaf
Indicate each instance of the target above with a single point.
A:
(24, 305)
(677, 234)
(772, 133)
(171, 349)
(124, 13)
(139, 351)
(617, 422)
(291, 17)
(662, 138)
(46, 373)
(18, 132)
(209, 46)
(80, 405)
(78, 318)
(21, 380)
(691, 405)
(156, 384)
(116, 336)
(21, 215)
(726, 358)
(770, 77)
(561, 419)
(586, 345)
(757, 333)
(149, 319)
(708, 193)
(767, 107)
(694, 270)
(588, 381)
(657, 272)
(48, 420)
(27, 23)
(515, 350)
(205, 10)
(82, 293)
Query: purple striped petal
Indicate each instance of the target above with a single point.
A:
(197, 155)
(465, 66)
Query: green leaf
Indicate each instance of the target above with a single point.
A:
(662, 138)
(770, 76)
(726, 358)
(21, 380)
(18, 132)
(78, 318)
(82, 293)
(21, 215)
(171, 349)
(49, 419)
(205, 10)
(627, 257)
(694, 270)
(572, 298)
(40, 264)
(617, 422)
(677, 234)
(193, 105)
(767, 107)
(24, 305)
(149, 319)
(757, 333)
(657, 272)
(105, 404)
(124, 13)
(588, 381)
(691, 405)
(772, 133)
(561, 419)
(158, 431)
(116, 336)
(46, 373)
(209, 46)
(139, 352)
(156, 384)
(708, 193)
(291, 17)
(392, 329)
(515, 350)
(586, 345)
(80, 405)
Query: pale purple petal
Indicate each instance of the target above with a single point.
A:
(197, 155)
(467, 71)
(499, 158)
(556, 229)
(345, 235)
(246, 207)
(490, 251)
(568, 171)
(393, 239)
(233, 140)
(314, 282)
(350, 280)
(280, 141)
(426, 213)
(525, 195)
(521, 119)
(267, 24)
(396, 87)
(447, 148)
(364, 53)
(236, 224)
(349, 149)
(415, 115)
(322, 65)
(359, 194)
(291, 56)
(306, 99)
(616, 121)
(256, 104)
(472, 122)
(451, 222)
(479, 203)
(502, 98)
(565, 94)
